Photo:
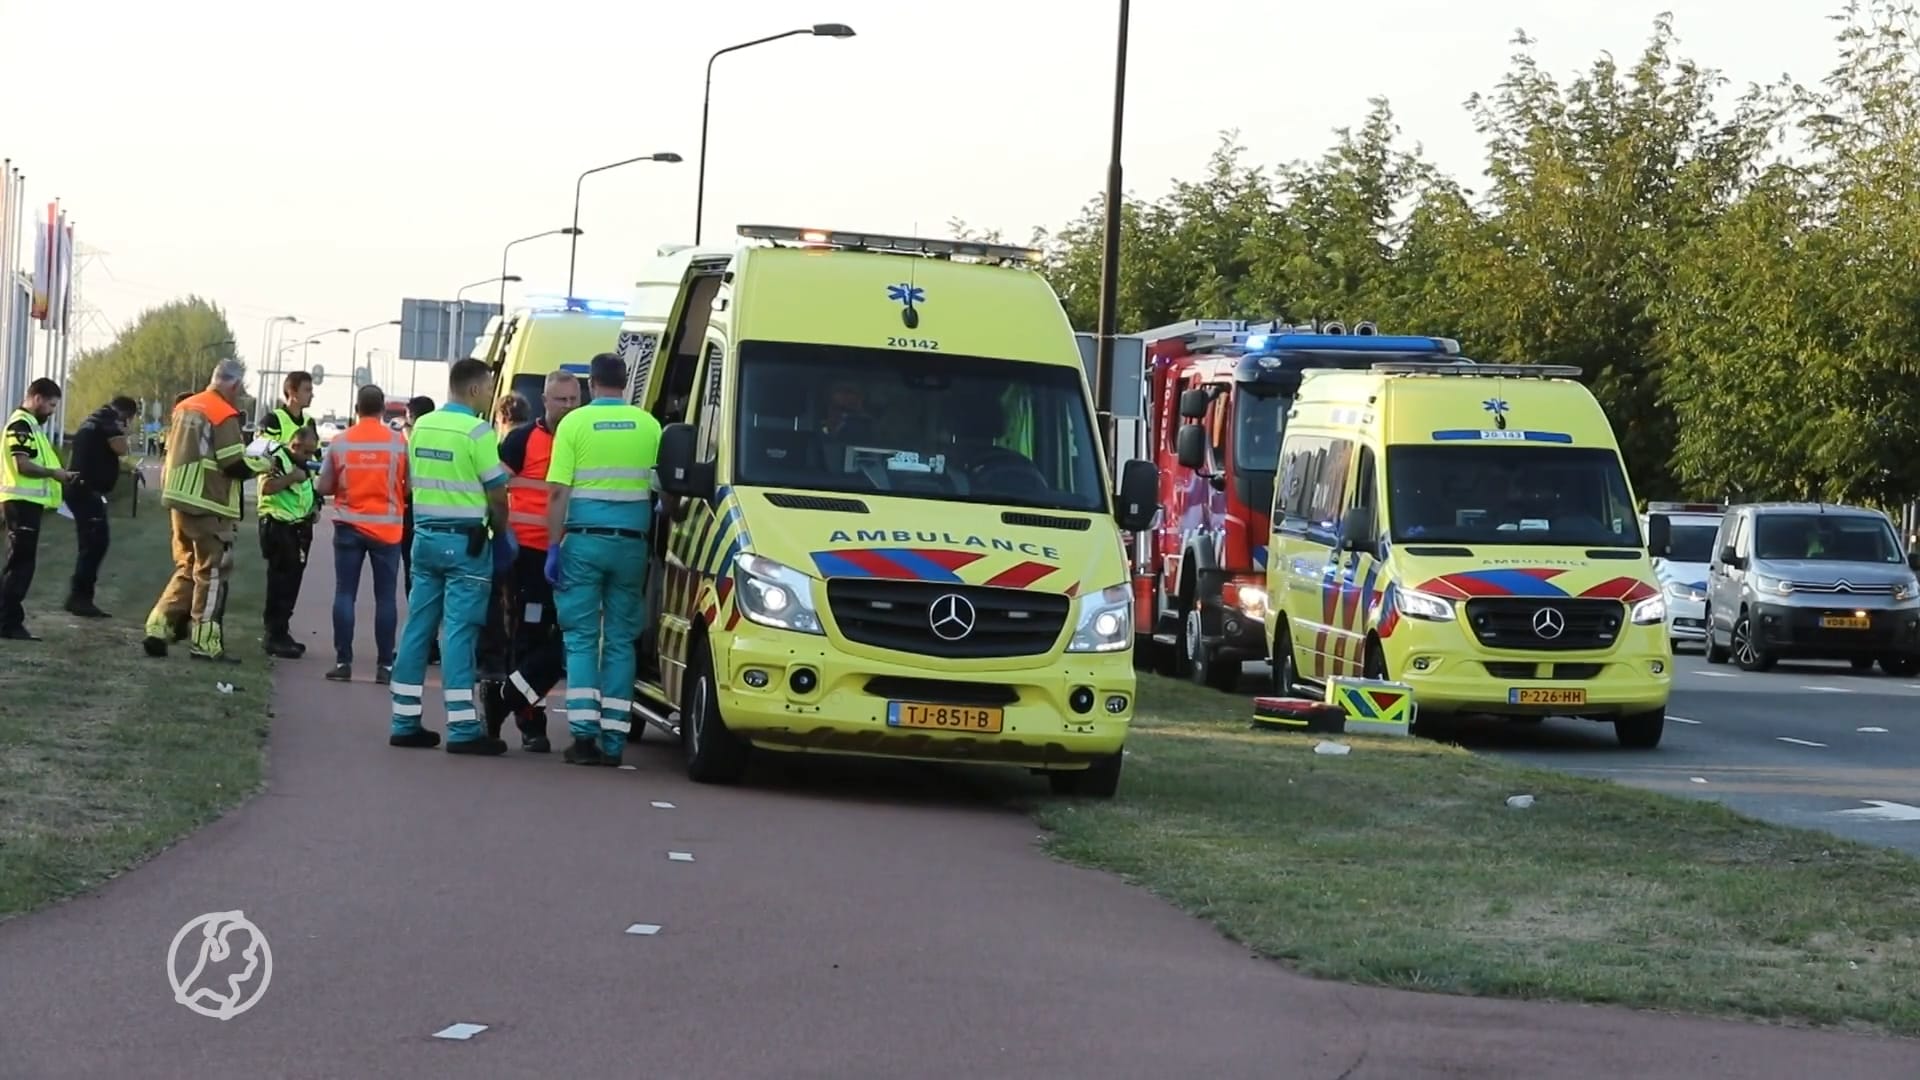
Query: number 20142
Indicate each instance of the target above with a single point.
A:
(913, 343)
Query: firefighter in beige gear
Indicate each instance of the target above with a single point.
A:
(207, 465)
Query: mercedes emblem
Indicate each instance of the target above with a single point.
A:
(1548, 623)
(951, 616)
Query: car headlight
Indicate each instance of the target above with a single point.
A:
(1772, 586)
(1651, 610)
(1105, 623)
(1907, 589)
(1683, 592)
(774, 594)
(1253, 601)
(1419, 605)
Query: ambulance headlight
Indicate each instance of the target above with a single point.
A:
(1649, 611)
(774, 594)
(1415, 604)
(1105, 623)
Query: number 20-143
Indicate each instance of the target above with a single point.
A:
(913, 343)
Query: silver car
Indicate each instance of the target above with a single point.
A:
(1812, 581)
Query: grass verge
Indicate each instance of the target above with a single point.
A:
(1401, 865)
(108, 756)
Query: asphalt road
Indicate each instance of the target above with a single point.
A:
(841, 921)
(1810, 745)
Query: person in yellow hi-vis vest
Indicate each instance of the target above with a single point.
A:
(207, 465)
(31, 482)
(459, 496)
(598, 514)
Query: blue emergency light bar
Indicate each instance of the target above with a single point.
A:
(546, 304)
(1398, 343)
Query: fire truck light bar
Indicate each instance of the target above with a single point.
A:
(1259, 343)
(898, 245)
(1469, 369)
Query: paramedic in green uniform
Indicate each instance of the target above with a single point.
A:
(598, 513)
(458, 490)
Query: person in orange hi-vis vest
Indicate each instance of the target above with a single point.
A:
(523, 619)
(365, 472)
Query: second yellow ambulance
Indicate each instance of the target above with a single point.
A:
(1467, 530)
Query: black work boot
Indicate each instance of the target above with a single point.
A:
(182, 628)
(584, 752)
(18, 632)
(494, 708)
(415, 740)
(284, 647)
(533, 731)
(340, 673)
(485, 746)
(84, 607)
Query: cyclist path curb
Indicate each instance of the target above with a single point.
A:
(884, 924)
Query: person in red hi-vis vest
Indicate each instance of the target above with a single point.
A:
(524, 613)
(365, 471)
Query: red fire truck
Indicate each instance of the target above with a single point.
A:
(1215, 395)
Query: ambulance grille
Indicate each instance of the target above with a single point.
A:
(898, 615)
(1508, 622)
(816, 502)
(1045, 521)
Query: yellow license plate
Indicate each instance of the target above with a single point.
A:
(1846, 622)
(1546, 697)
(972, 719)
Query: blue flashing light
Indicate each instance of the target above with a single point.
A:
(1260, 343)
(575, 303)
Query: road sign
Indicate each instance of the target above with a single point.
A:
(362, 376)
(428, 327)
(319, 373)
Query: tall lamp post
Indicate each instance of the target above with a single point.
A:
(354, 348)
(573, 247)
(269, 335)
(460, 309)
(827, 30)
(1110, 254)
(571, 230)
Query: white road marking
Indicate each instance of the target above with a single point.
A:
(1872, 730)
(1698, 779)
(1829, 689)
(1799, 742)
(628, 768)
(460, 1031)
(643, 928)
(1717, 674)
(658, 805)
(680, 856)
(1881, 810)
(1682, 720)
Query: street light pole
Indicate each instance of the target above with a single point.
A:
(460, 311)
(573, 246)
(830, 30)
(271, 335)
(573, 230)
(354, 348)
(1110, 254)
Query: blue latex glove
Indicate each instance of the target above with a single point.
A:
(504, 550)
(553, 565)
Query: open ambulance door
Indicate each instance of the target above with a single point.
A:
(663, 382)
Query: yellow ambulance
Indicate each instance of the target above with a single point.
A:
(526, 345)
(1467, 530)
(891, 531)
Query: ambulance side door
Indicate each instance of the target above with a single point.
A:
(1359, 570)
(695, 530)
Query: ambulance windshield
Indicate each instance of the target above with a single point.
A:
(916, 425)
(1573, 497)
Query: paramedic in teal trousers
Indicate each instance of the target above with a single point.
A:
(458, 490)
(598, 512)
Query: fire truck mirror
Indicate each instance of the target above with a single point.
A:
(1138, 500)
(1190, 445)
(1356, 530)
(1193, 404)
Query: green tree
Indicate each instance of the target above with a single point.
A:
(168, 349)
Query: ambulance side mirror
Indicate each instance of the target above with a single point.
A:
(1138, 500)
(1356, 530)
(1193, 404)
(1190, 446)
(680, 472)
(1659, 535)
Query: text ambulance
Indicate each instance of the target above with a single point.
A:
(894, 531)
(1468, 530)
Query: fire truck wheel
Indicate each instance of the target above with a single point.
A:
(1280, 664)
(1203, 667)
(1101, 780)
(714, 755)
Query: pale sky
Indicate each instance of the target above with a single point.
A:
(325, 161)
